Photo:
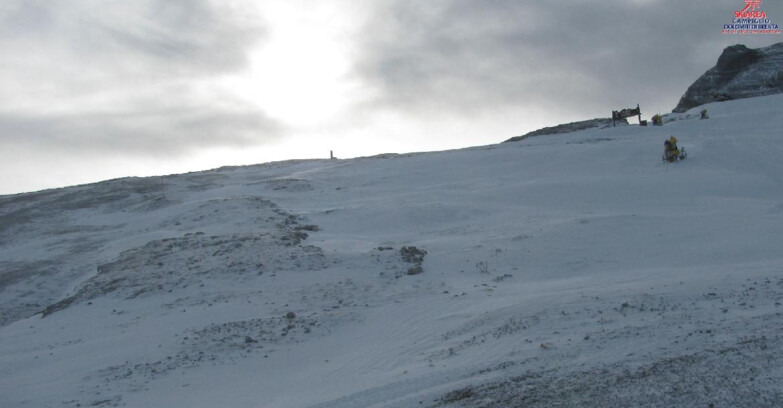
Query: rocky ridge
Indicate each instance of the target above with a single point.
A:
(740, 72)
(569, 127)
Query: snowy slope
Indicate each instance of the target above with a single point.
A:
(565, 270)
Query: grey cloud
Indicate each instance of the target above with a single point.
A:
(192, 37)
(147, 132)
(131, 76)
(469, 56)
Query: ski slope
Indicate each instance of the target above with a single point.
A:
(564, 270)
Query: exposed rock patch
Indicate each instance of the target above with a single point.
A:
(415, 256)
(407, 261)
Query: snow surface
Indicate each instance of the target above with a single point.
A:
(560, 271)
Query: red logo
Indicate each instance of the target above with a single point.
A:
(751, 20)
(752, 10)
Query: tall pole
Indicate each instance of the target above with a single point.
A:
(640, 113)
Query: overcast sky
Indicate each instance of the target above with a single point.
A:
(99, 89)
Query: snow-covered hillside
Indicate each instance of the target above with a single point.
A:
(560, 271)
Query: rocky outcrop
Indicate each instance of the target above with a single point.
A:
(570, 127)
(413, 256)
(741, 72)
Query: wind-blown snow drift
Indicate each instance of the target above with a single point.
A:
(566, 270)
